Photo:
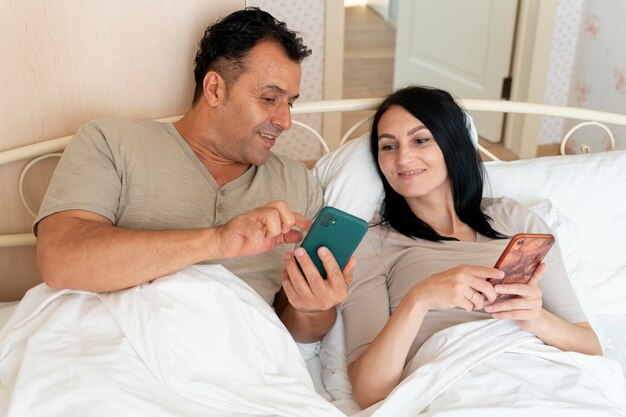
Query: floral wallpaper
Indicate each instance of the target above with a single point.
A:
(598, 74)
(307, 18)
(598, 79)
(560, 67)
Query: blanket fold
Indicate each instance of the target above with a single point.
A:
(199, 342)
(488, 367)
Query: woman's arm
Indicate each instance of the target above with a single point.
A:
(579, 337)
(377, 371)
(528, 311)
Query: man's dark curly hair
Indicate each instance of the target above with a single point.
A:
(227, 42)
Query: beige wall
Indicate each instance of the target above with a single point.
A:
(66, 62)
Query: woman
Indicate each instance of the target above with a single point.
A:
(434, 219)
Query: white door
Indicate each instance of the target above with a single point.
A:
(458, 45)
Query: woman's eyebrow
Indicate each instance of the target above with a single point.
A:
(415, 129)
(410, 132)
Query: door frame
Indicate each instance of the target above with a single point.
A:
(529, 68)
(334, 33)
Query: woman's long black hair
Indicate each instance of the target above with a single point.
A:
(445, 119)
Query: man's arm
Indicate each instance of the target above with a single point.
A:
(306, 304)
(83, 250)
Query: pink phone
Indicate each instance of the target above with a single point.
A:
(521, 257)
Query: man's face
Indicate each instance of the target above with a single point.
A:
(257, 108)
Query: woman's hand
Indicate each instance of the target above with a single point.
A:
(527, 309)
(464, 286)
(526, 304)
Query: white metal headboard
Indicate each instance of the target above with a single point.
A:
(42, 149)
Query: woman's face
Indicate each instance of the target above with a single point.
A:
(409, 156)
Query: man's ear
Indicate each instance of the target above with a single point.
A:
(214, 88)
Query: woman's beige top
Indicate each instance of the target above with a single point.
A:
(389, 264)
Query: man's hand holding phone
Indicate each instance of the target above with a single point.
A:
(307, 290)
(317, 275)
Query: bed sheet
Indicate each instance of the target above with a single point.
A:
(6, 309)
(309, 352)
(332, 354)
(491, 367)
(199, 342)
(615, 329)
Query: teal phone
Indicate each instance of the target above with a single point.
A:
(338, 231)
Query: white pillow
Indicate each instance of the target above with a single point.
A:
(607, 286)
(568, 240)
(350, 179)
(588, 190)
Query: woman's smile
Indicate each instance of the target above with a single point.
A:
(411, 174)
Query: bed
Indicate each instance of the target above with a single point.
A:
(65, 352)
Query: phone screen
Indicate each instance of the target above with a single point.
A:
(521, 257)
(338, 231)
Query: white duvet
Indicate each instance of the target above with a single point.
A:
(197, 343)
(202, 343)
(493, 368)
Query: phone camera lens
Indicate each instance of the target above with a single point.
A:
(328, 216)
(324, 223)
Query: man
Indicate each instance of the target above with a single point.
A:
(134, 201)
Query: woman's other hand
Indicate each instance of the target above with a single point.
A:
(526, 308)
(526, 304)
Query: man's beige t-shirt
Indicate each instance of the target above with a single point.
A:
(143, 175)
